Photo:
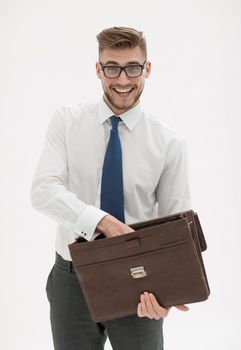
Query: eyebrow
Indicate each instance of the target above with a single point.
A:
(117, 63)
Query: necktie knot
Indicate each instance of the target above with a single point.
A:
(114, 122)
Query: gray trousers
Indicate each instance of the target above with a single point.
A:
(73, 328)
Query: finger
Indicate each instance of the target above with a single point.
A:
(143, 305)
(139, 310)
(128, 229)
(149, 306)
(144, 309)
(155, 312)
(182, 307)
(157, 307)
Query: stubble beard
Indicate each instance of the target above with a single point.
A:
(122, 107)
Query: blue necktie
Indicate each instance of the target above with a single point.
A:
(112, 197)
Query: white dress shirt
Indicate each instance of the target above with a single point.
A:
(66, 184)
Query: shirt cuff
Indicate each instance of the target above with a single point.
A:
(87, 222)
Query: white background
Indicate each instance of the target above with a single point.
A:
(48, 54)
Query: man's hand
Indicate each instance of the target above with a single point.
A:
(149, 307)
(110, 227)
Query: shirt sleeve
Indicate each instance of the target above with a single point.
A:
(49, 193)
(173, 194)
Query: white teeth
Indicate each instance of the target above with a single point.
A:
(122, 90)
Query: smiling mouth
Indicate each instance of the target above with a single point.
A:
(123, 91)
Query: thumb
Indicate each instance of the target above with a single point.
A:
(182, 307)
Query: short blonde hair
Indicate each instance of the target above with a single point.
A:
(121, 38)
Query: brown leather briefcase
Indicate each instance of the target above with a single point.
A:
(162, 256)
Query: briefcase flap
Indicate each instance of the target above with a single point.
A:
(143, 240)
(190, 216)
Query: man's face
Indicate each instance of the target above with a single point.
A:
(122, 93)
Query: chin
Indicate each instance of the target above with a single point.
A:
(117, 105)
(124, 108)
(124, 105)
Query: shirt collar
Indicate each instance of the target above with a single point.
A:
(129, 118)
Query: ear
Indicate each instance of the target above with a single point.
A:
(148, 69)
(98, 70)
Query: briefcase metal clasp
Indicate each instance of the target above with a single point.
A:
(138, 272)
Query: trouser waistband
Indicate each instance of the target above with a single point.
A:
(63, 264)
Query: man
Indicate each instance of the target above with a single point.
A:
(106, 165)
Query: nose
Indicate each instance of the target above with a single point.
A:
(123, 79)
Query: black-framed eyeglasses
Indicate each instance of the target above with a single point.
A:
(132, 71)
